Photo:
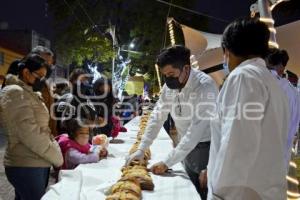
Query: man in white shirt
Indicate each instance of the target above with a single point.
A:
(276, 61)
(189, 95)
(249, 133)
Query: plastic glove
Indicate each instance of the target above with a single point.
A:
(138, 155)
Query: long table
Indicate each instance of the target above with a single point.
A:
(92, 181)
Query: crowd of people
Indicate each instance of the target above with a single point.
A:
(234, 141)
(50, 124)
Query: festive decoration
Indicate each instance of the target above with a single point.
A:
(264, 8)
(158, 76)
(94, 70)
(121, 74)
(171, 31)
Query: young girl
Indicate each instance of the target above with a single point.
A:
(75, 146)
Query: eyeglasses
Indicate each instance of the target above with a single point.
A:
(36, 75)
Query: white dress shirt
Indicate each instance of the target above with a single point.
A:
(294, 102)
(190, 108)
(249, 136)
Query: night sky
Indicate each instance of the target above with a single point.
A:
(28, 14)
(31, 14)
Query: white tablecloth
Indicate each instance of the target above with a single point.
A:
(90, 181)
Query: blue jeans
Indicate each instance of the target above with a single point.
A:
(30, 183)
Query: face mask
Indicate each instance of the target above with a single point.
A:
(38, 85)
(173, 82)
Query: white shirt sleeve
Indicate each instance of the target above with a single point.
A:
(157, 119)
(204, 106)
(241, 135)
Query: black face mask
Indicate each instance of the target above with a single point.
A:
(173, 83)
(38, 85)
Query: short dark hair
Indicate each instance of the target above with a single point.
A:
(72, 126)
(76, 73)
(276, 57)
(32, 62)
(245, 37)
(42, 50)
(177, 56)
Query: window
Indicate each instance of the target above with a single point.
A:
(1, 58)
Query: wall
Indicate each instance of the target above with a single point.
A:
(9, 56)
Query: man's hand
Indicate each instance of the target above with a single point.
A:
(138, 155)
(159, 168)
(203, 179)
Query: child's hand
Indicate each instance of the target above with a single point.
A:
(103, 153)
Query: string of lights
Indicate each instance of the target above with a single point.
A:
(158, 76)
(171, 31)
(266, 17)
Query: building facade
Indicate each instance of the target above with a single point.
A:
(15, 44)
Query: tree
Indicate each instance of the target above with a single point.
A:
(82, 30)
(76, 39)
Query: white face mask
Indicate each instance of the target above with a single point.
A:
(226, 65)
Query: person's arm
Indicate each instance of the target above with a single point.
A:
(74, 157)
(204, 107)
(157, 119)
(241, 136)
(34, 137)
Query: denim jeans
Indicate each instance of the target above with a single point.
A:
(30, 183)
